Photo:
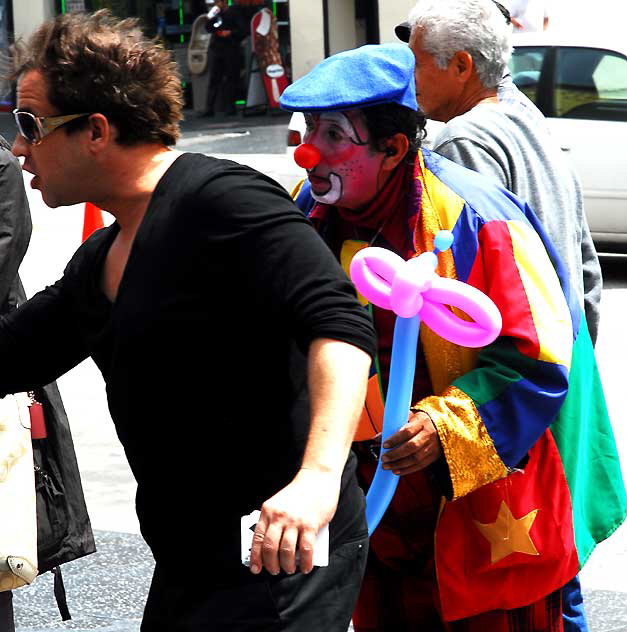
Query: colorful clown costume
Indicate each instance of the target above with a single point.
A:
(530, 472)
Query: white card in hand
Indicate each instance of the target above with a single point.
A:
(247, 529)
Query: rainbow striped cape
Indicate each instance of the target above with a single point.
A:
(535, 476)
(523, 422)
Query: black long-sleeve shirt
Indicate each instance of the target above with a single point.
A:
(203, 352)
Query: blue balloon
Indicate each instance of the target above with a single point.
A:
(398, 398)
(397, 403)
(443, 240)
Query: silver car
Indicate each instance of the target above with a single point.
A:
(581, 87)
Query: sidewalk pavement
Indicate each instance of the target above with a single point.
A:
(193, 122)
(106, 591)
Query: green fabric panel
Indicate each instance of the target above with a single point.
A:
(500, 363)
(585, 440)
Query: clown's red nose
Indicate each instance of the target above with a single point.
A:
(306, 156)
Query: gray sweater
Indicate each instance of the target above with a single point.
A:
(511, 142)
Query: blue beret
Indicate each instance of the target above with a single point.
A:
(352, 79)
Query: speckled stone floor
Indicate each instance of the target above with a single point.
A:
(606, 610)
(106, 591)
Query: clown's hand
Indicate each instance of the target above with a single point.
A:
(415, 446)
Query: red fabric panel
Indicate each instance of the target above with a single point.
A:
(469, 581)
(503, 284)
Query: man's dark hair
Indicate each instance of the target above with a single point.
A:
(388, 119)
(98, 63)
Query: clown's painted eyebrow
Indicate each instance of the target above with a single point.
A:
(345, 124)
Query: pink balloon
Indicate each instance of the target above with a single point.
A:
(412, 288)
(485, 314)
(411, 280)
(370, 270)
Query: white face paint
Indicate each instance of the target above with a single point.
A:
(333, 194)
(344, 123)
(348, 169)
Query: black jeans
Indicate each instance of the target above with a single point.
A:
(6, 612)
(225, 76)
(320, 601)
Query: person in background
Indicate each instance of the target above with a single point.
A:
(228, 28)
(16, 228)
(233, 348)
(462, 48)
(493, 462)
(529, 16)
(63, 528)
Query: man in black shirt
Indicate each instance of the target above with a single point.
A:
(234, 351)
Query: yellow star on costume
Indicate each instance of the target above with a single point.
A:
(508, 534)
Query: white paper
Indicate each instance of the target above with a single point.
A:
(247, 529)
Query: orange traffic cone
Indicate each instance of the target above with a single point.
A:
(93, 220)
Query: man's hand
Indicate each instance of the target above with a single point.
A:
(413, 447)
(290, 521)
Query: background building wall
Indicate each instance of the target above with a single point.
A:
(29, 14)
(342, 25)
(390, 14)
(306, 18)
(307, 35)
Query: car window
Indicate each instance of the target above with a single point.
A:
(590, 83)
(610, 77)
(525, 66)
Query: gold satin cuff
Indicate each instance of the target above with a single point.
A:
(469, 451)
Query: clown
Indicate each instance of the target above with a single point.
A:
(346, 169)
(490, 518)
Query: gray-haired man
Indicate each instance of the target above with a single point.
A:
(462, 48)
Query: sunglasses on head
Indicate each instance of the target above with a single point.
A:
(35, 128)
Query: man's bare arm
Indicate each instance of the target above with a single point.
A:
(290, 520)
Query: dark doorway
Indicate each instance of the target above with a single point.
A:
(367, 17)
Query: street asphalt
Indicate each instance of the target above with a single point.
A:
(106, 591)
